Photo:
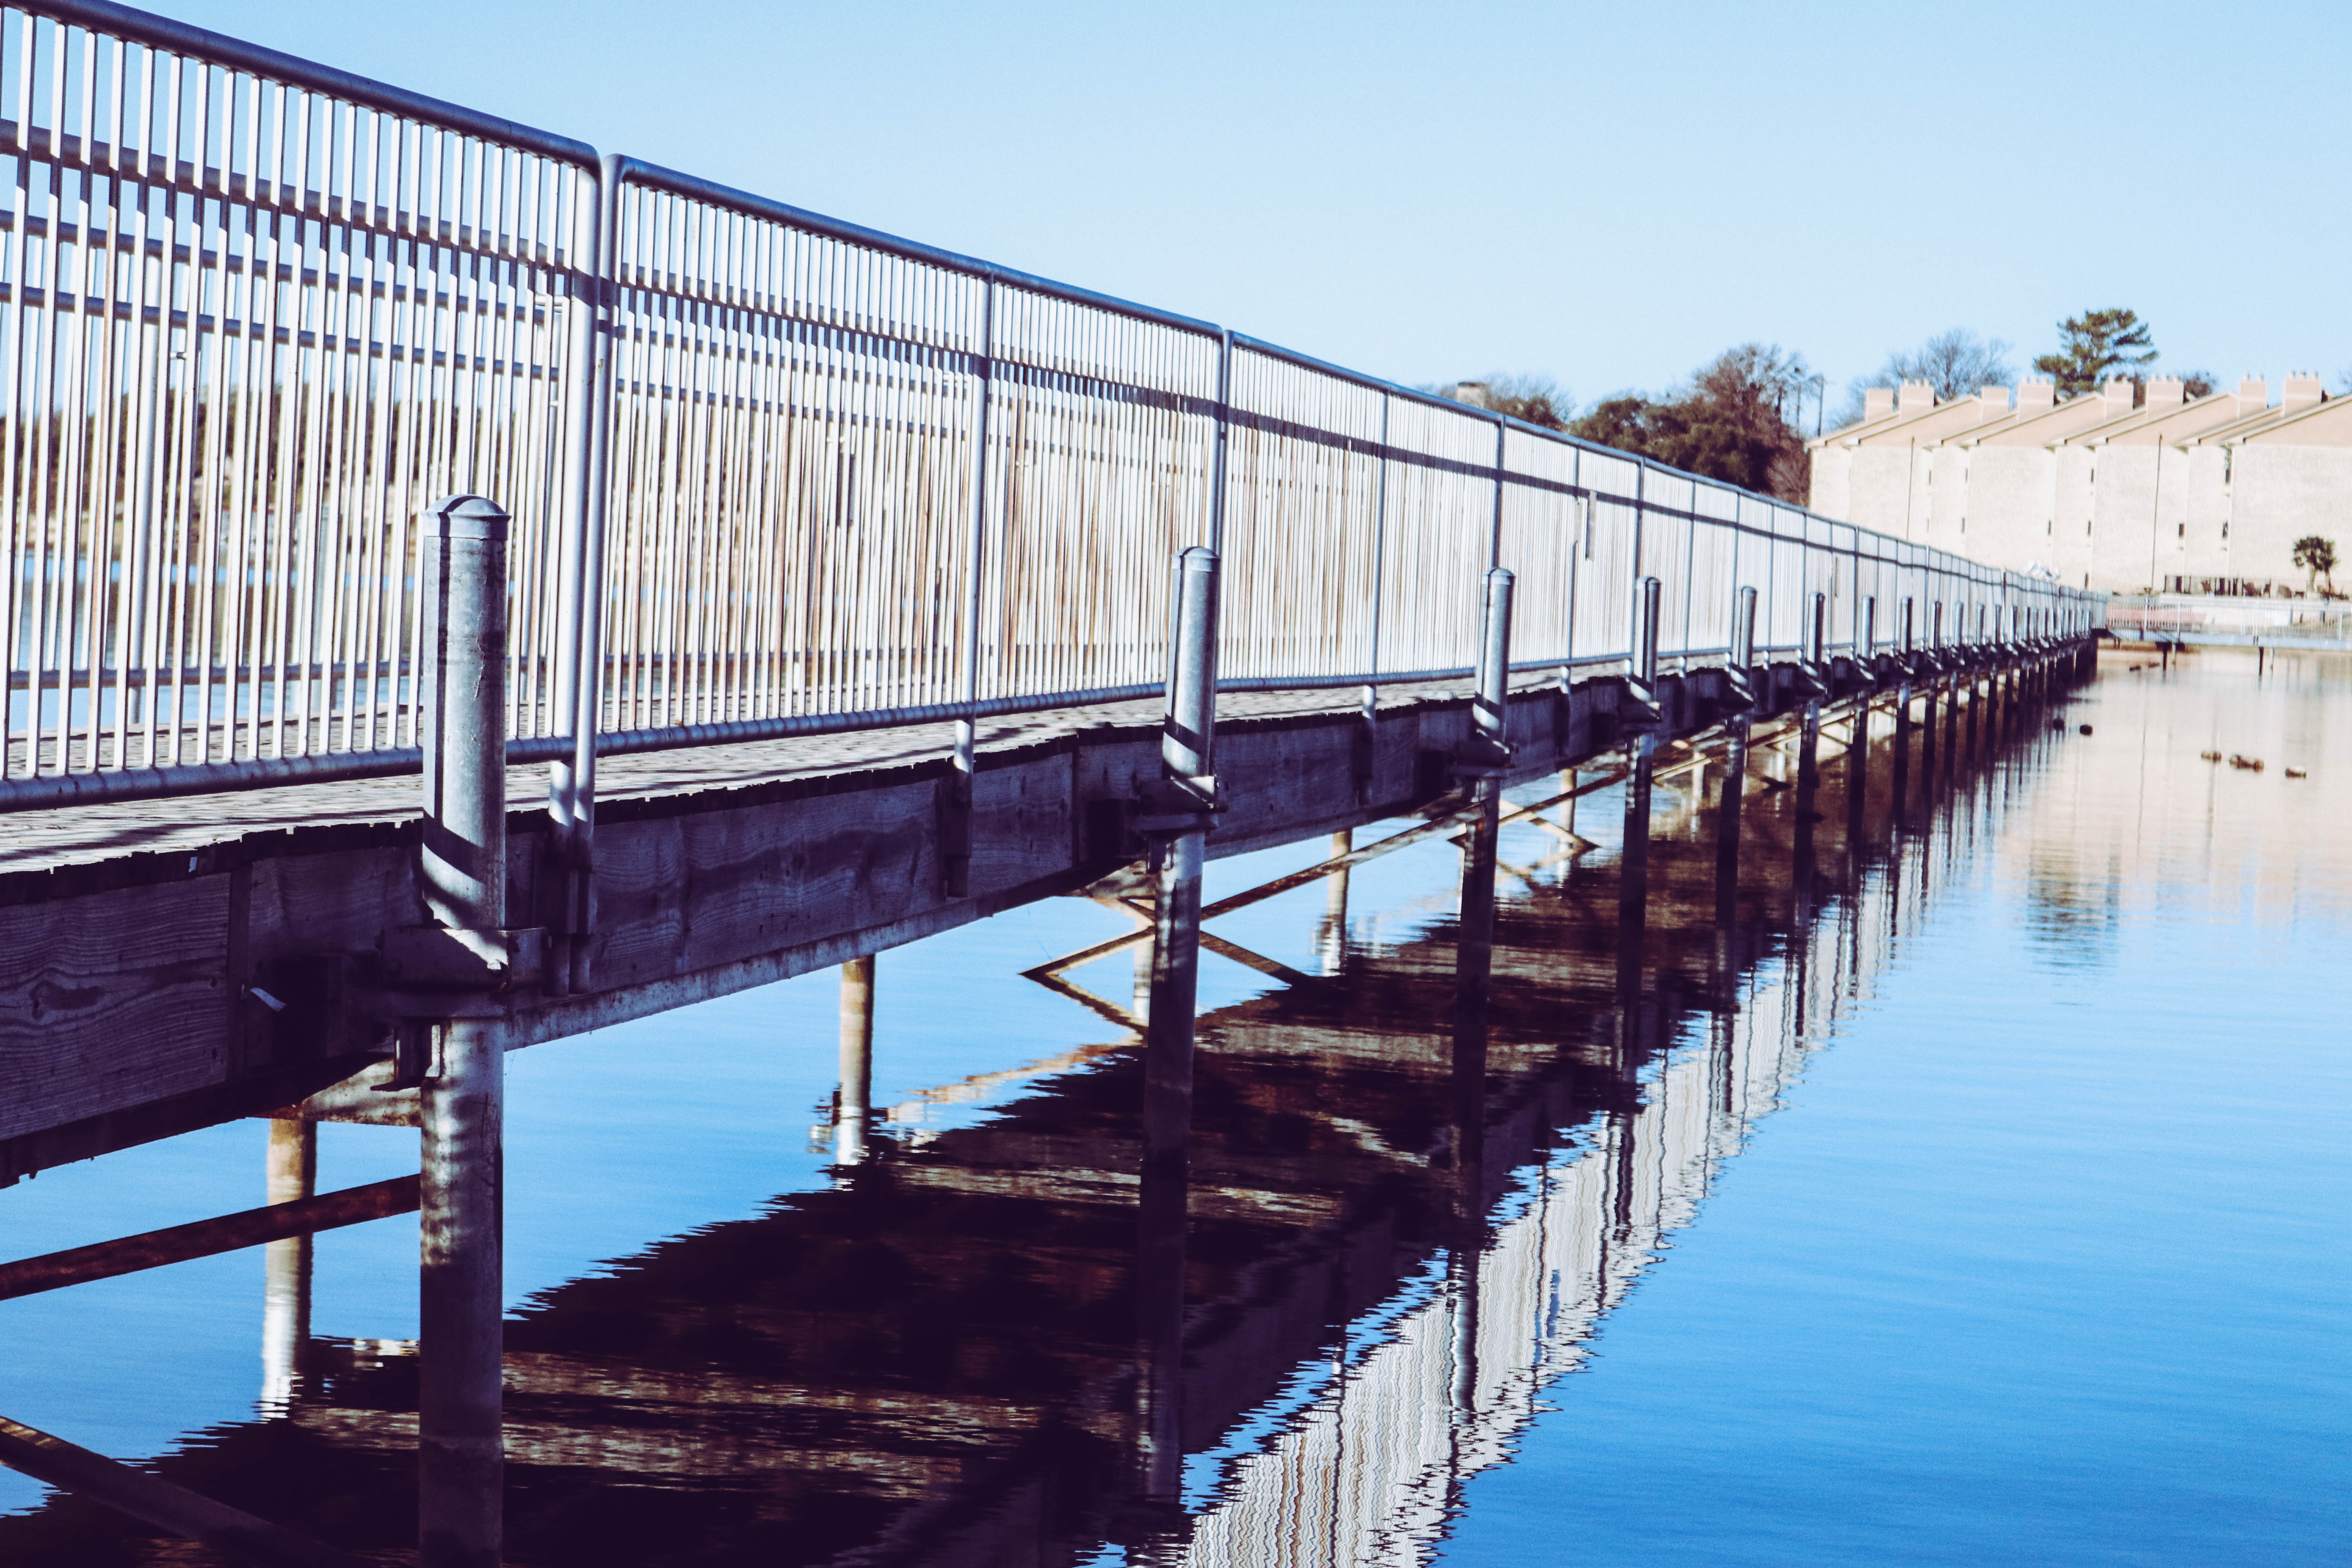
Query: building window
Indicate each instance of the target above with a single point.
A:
(2225, 531)
(2181, 532)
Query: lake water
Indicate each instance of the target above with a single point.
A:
(1982, 1196)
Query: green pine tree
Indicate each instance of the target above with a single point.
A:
(2095, 345)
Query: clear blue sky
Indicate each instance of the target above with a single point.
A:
(1607, 195)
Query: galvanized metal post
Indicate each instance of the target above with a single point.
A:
(1645, 646)
(1902, 780)
(1747, 695)
(1475, 942)
(855, 1113)
(1188, 763)
(1951, 742)
(1188, 733)
(463, 867)
(1857, 779)
(1972, 680)
(1633, 859)
(1928, 694)
(463, 878)
(293, 1174)
(1489, 709)
(1816, 677)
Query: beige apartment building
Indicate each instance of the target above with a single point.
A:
(2113, 490)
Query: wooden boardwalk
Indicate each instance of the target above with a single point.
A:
(43, 840)
(145, 948)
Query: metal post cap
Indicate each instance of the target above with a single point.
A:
(470, 517)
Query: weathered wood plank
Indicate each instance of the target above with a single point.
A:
(111, 999)
(697, 893)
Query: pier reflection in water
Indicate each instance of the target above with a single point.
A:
(1417, 1188)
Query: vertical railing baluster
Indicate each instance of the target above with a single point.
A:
(955, 848)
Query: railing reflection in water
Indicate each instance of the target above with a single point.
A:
(1409, 1215)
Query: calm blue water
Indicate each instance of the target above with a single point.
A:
(2050, 1258)
(2006, 1220)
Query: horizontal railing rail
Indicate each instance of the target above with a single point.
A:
(771, 474)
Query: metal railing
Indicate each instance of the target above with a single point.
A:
(2321, 625)
(770, 473)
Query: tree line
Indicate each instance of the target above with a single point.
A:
(1738, 419)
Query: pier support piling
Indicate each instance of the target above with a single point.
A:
(1901, 780)
(1178, 830)
(1473, 962)
(1735, 761)
(1633, 859)
(854, 1115)
(463, 876)
(1474, 953)
(1331, 940)
(286, 1264)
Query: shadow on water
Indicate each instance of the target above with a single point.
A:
(1416, 1189)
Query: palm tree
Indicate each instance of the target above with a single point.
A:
(2316, 556)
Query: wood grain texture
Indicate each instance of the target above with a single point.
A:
(121, 996)
(113, 999)
(1022, 823)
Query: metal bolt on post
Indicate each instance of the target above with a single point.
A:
(462, 876)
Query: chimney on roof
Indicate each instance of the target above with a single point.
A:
(2167, 391)
(2035, 394)
(2118, 395)
(1877, 401)
(2303, 391)
(1992, 403)
(1473, 393)
(1916, 398)
(2253, 395)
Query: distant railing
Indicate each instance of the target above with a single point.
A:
(770, 473)
(2231, 620)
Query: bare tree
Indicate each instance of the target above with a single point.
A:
(1535, 399)
(1777, 376)
(1954, 364)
